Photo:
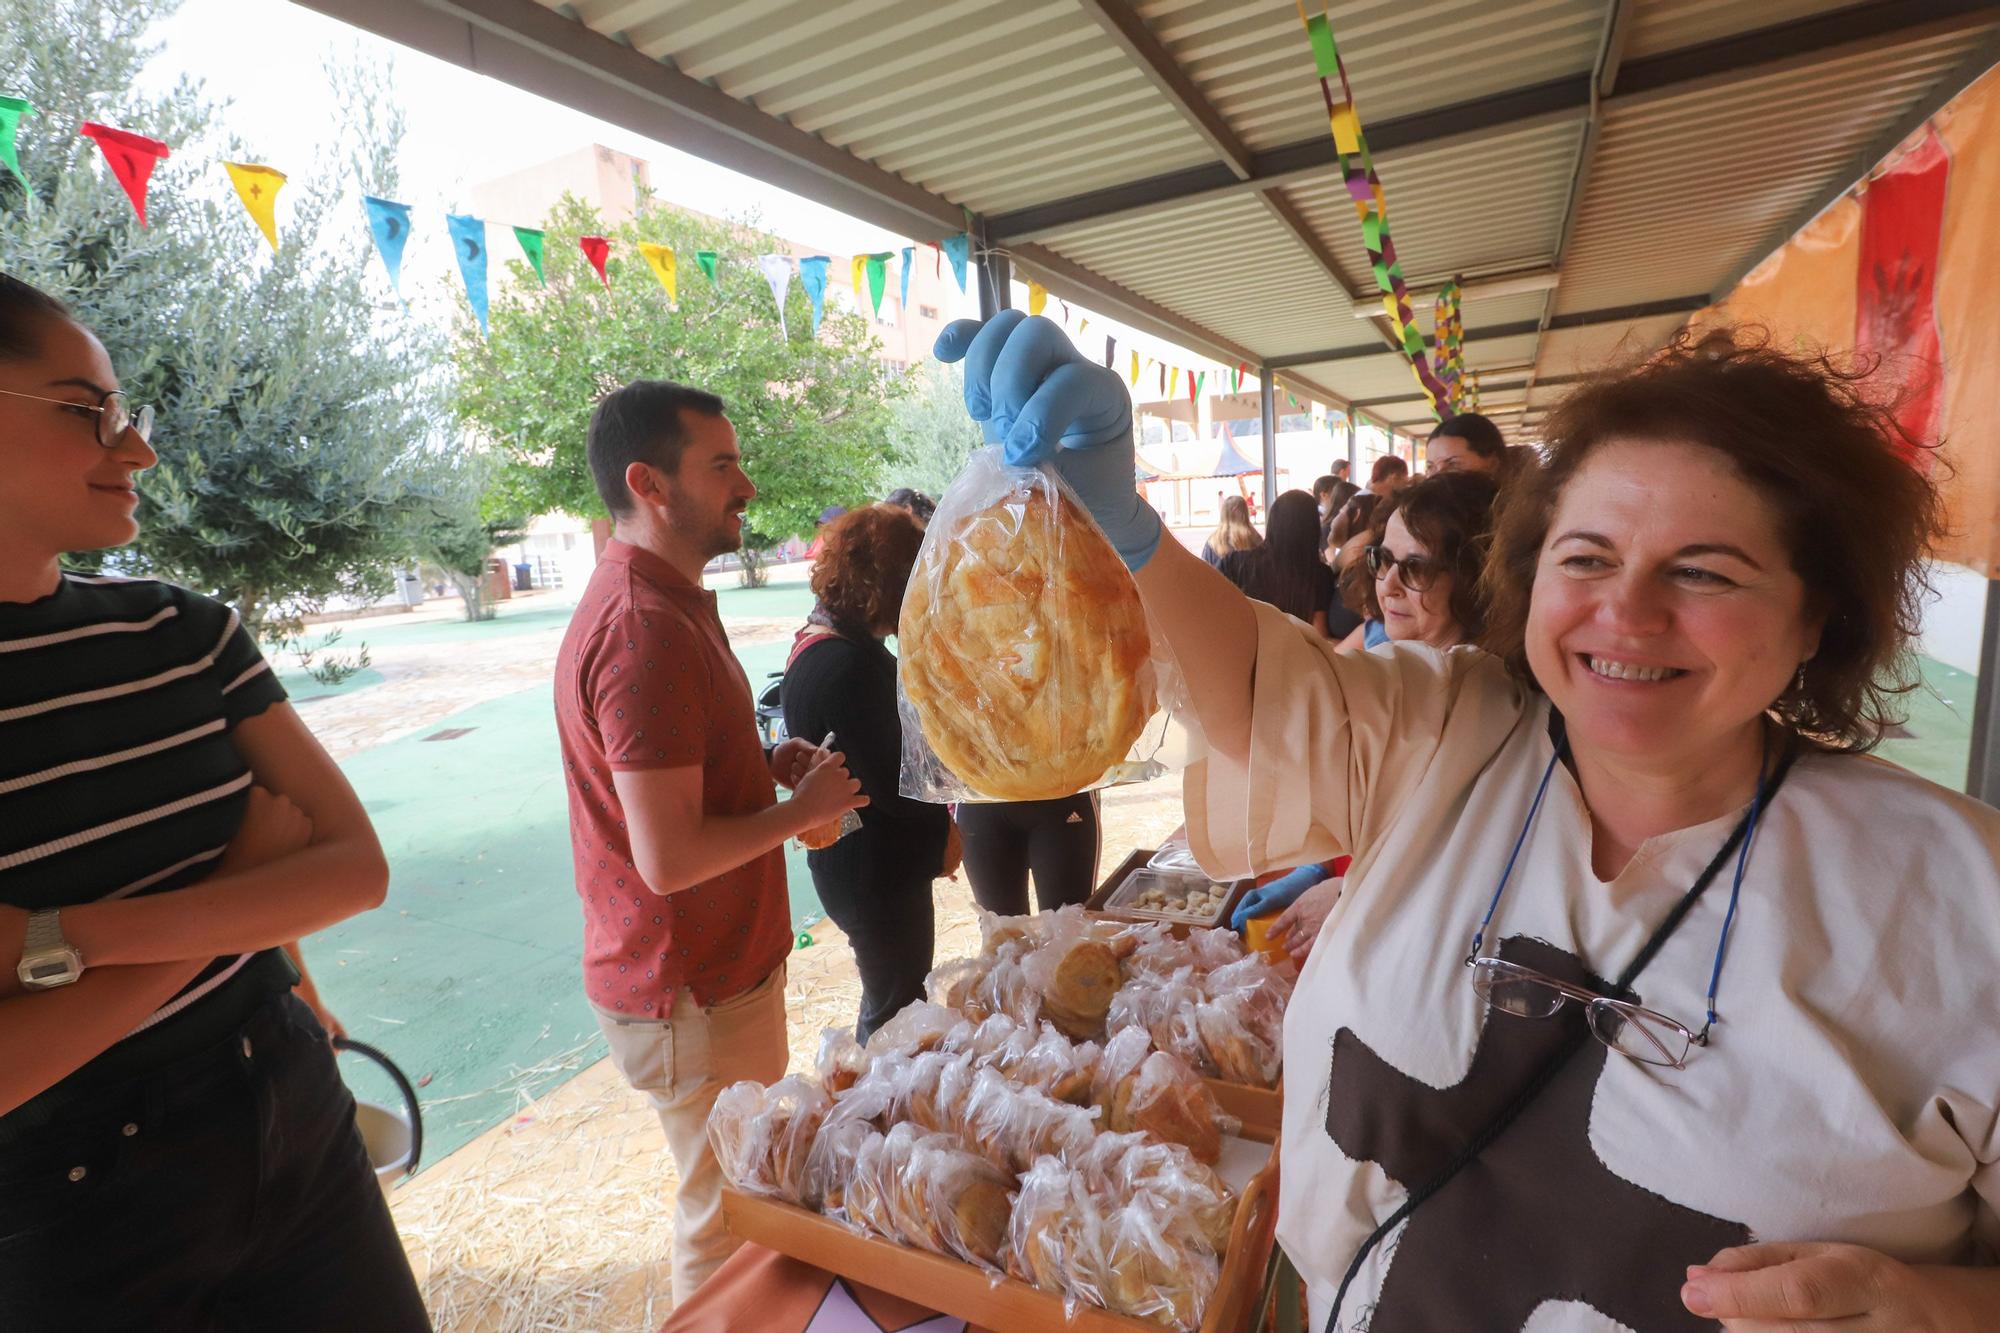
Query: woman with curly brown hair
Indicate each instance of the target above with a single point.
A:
(876, 882)
(1651, 1001)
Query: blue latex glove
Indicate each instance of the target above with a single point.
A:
(1281, 892)
(1033, 394)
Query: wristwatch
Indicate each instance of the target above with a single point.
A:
(47, 959)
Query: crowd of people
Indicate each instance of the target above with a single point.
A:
(1642, 997)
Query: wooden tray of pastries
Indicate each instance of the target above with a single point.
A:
(1007, 1305)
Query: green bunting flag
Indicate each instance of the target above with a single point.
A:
(707, 260)
(531, 246)
(11, 111)
(878, 279)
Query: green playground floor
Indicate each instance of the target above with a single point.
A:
(468, 974)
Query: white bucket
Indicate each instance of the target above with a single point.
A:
(387, 1136)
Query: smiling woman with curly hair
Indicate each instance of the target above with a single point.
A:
(876, 882)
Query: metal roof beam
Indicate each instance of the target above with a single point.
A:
(1854, 30)
(1579, 319)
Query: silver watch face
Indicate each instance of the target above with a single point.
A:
(51, 969)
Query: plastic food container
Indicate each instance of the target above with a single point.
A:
(1177, 887)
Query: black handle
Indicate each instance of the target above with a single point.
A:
(403, 1084)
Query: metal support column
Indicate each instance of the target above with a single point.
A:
(1267, 395)
(1982, 778)
(992, 271)
(1353, 450)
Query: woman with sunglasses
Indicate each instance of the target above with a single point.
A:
(176, 1147)
(1651, 1001)
(1423, 558)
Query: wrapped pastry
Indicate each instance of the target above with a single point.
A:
(762, 1137)
(1024, 661)
(996, 931)
(952, 984)
(1154, 1092)
(1077, 971)
(1012, 1125)
(1041, 1235)
(1117, 1166)
(1242, 1023)
(841, 1060)
(913, 1029)
(925, 1190)
(1146, 1261)
(1164, 1008)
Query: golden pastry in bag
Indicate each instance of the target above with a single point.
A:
(1024, 648)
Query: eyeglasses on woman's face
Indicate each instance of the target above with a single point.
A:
(114, 415)
(1418, 571)
(1641, 1034)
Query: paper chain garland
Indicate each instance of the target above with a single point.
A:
(1364, 188)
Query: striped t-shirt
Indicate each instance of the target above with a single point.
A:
(117, 773)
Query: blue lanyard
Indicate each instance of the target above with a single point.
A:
(1735, 887)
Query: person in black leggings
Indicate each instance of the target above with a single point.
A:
(1006, 840)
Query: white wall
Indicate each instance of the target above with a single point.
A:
(1954, 620)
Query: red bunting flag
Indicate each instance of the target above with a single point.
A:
(597, 249)
(131, 157)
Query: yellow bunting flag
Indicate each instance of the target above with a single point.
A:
(860, 278)
(1135, 370)
(258, 188)
(1038, 297)
(660, 258)
(1174, 391)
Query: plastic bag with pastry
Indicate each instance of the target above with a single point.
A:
(1042, 1231)
(914, 1028)
(953, 983)
(841, 1060)
(996, 931)
(1077, 969)
(1005, 988)
(1154, 1092)
(1025, 670)
(1117, 1166)
(1058, 1066)
(1164, 1008)
(1012, 1125)
(1153, 1263)
(762, 1136)
(865, 1199)
(1242, 1023)
(964, 1200)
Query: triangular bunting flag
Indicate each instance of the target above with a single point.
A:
(1038, 297)
(812, 277)
(597, 249)
(778, 272)
(878, 279)
(389, 223)
(131, 157)
(258, 188)
(858, 270)
(903, 296)
(708, 263)
(531, 245)
(660, 259)
(1135, 370)
(956, 249)
(1065, 306)
(11, 111)
(1175, 390)
(1110, 350)
(468, 241)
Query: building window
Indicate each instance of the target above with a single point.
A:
(928, 311)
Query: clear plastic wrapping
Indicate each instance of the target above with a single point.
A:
(926, 1190)
(1077, 969)
(1026, 665)
(1157, 1093)
(763, 1136)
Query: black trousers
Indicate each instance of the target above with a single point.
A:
(227, 1191)
(890, 927)
(1058, 841)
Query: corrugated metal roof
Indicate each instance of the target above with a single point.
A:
(1732, 126)
(1684, 186)
(1252, 61)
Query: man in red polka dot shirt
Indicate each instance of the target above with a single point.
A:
(674, 819)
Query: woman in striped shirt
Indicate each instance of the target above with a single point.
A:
(176, 1147)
